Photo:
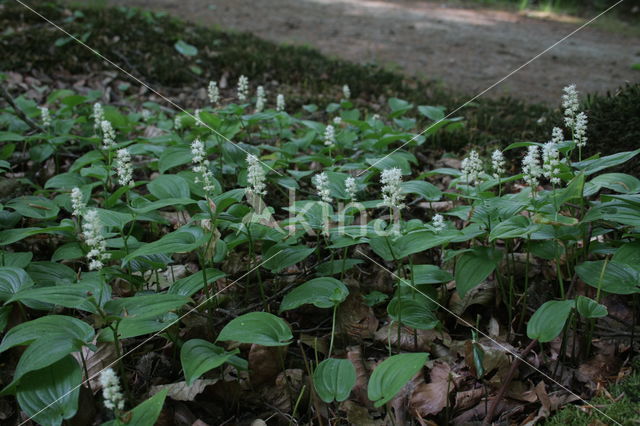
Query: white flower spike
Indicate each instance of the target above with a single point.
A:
(351, 186)
(471, 168)
(92, 233)
(497, 163)
(213, 92)
(111, 392)
(201, 166)
(124, 168)
(280, 104)
(108, 135)
(330, 136)
(321, 182)
(255, 176)
(531, 167)
(392, 195)
(438, 223)
(243, 88)
(45, 116)
(260, 99)
(77, 202)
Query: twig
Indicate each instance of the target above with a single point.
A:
(7, 97)
(505, 384)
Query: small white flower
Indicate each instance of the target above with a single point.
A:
(98, 116)
(280, 105)
(108, 135)
(580, 130)
(570, 104)
(351, 186)
(375, 117)
(111, 392)
(337, 120)
(392, 195)
(531, 167)
(77, 202)
(213, 92)
(199, 121)
(201, 166)
(329, 136)
(260, 99)
(551, 162)
(146, 115)
(243, 88)
(92, 233)
(438, 223)
(45, 116)
(255, 176)
(471, 168)
(557, 136)
(124, 168)
(177, 122)
(321, 182)
(497, 163)
(346, 92)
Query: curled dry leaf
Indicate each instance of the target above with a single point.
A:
(265, 363)
(355, 319)
(96, 361)
(482, 294)
(431, 398)
(181, 392)
(354, 354)
(468, 398)
(410, 338)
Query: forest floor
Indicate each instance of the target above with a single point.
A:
(466, 49)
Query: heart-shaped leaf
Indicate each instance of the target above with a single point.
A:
(199, 356)
(411, 312)
(612, 277)
(547, 322)
(474, 266)
(333, 379)
(323, 292)
(260, 328)
(392, 374)
(589, 308)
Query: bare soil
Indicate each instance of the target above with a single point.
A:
(467, 49)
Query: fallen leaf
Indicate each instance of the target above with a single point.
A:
(180, 391)
(96, 361)
(265, 362)
(355, 319)
(431, 398)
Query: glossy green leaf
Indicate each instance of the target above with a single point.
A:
(392, 374)
(589, 308)
(188, 286)
(547, 322)
(323, 292)
(169, 186)
(260, 328)
(430, 274)
(147, 412)
(628, 254)
(146, 306)
(615, 277)
(593, 166)
(74, 296)
(424, 189)
(34, 207)
(474, 266)
(28, 332)
(279, 257)
(185, 48)
(45, 351)
(514, 227)
(9, 236)
(618, 182)
(55, 387)
(412, 312)
(12, 281)
(333, 379)
(199, 356)
(183, 240)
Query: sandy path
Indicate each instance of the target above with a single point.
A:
(465, 49)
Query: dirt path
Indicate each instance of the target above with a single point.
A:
(465, 49)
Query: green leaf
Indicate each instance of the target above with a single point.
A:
(431, 112)
(260, 328)
(134, 327)
(189, 285)
(573, 191)
(169, 186)
(411, 312)
(13, 280)
(34, 207)
(10, 236)
(618, 182)
(514, 227)
(279, 256)
(55, 387)
(474, 266)
(323, 292)
(5, 312)
(183, 240)
(629, 254)
(15, 259)
(589, 308)
(146, 413)
(398, 107)
(430, 274)
(174, 156)
(65, 181)
(616, 278)
(547, 322)
(28, 332)
(43, 352)
(590, 167)
(146, 306)
(74, 296)
(199, 356)
(392, 374)
(333, 379)
(387, 247)
(424, 189)
(185, 48)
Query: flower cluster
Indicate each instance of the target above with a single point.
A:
(580, 130)
(337, 120)
(45, 116)
(108, 134)
(213, 92)
(392, 196)
(113, 398)
(351, 186)
(199, 121)
(243, 88)
(471, 168)
(280, 105)
(201, 165)
(255, 176)
(177, 122)
(551, 162)
(92, 233)
(497, 163)
(98, 116)
(321, 182)
(329, 136)
(77, 202)
(260, 99)
(438, 223)
(570, 104)
(124, 168)
(531, 167)
(556, 135)
(346, 92)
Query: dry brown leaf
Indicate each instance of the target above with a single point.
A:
(265, 362)
(286, 391)
(482, 294)
(410, 339)
(354, 354)
(431, 398)
(96, 361)
(180, 391)
(598, 369)
(359, 415)
(469, 398)
(355, 319)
